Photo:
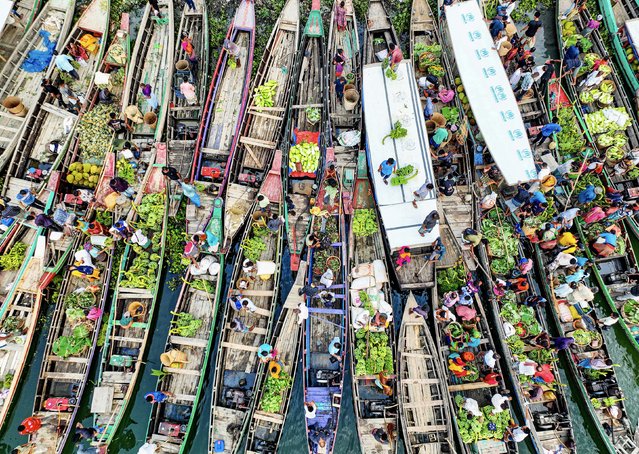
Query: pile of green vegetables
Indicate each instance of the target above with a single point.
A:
(125, 170)
(305, 153)
(84, 174)
(451, 114)
(451, 279)
(274, 389)
(322, 260)
(265, 94)
(175, 236)
(12, 323)
(570, 139)
(329, 230)
(253, 248)
(76, 303)
(366, 303)
(428, 58)
(184, 324)
(143, 272)
(502, 243)
(6, 381)
(403, 175)
(94, 133)
(76, 343)
(397, 132)
(13, 259)
(589, 61)
(631, 311)
(572, 37)
(486, 427)
(610, 139)
(313, 114)
(601, 96)
(597, 122)
(364, 222)
(583, 337)
(521, 316)
(522, 13)
(372, 353)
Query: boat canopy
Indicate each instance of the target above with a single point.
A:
(386, 102)
(5, 11)
(489, 93)
(632, 31)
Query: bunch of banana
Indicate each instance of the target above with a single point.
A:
(264, 94)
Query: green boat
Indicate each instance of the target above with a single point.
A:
(188, 347)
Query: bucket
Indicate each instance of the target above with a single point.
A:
(151, 119)
(349, 87)
(351, 98)
(430, 126)
(14, 105)
(182, 65)
(504, 48)
(439, 119)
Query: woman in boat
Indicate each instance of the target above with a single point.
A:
(190, 192)
(340, 16)
(188, 91)
(338, 60)
(234, 51)
(79, 53)
(186, 43)
(88, 272)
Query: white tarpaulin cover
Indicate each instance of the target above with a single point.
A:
(632, 29)
(387, 101)
(5, 10)
(489, 93)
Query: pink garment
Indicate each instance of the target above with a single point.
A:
(94, 313)
(340, 17)
(446, 96)
(466, 312)
(188, 90)
(596, 214)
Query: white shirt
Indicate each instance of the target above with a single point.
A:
(519, 435)
(84, 257)
(139, 238)
(327, 278)
(250, 305)
(148, 448)
(310, 414)
(527, 368)
(515, 78)
(498, 400)
(303, 314)
(471, 406)
(489, 359)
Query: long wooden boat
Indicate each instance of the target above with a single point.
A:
(376, 410)
(187, 352)
(15, 24)
(623, 15)
(426, 417)
(133, 304)
(225, 103)
(346, 114)
(267, 423)
(151, 64)
(325, 330)
(243, 354)
(379, 33)
(570, 319)
(612, 270)
(306, 131)
(20, 88)
(262, 124)
(184, 118)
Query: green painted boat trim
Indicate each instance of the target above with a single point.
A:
(573, 372)
(112, 429)
(620, 55)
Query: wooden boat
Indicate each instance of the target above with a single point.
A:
(616, 15)
(261, 127)
(307, 126)
(225, 103)
(187, 351)
(422, 391)
(49, 123)
(184, 118)
(324, 340)
(133, 304)
(267, 423)
(374, 385)
(346, 114)
(14, 26)
(56, 19)
(243, 353)
(568, 316)
(379, 33)
(151, 64)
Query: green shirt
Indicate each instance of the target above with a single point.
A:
(440, 135)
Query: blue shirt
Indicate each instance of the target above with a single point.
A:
(495, 27)
(158, 396)
(581, 261)
(27, 199)
(387, 169)
(332, 349)
(587, 195)
(610, 238)
(572, 52)
(538, 196)
(550, 129)
(429, 109)
(63, 62)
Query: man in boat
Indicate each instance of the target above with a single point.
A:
(27, 200)
(64, 64)
(309, 290)
(118, 125)
(52, 90)
(310, 410)
(157, 397)
(171, 173)
(429, 223)
(239, 326)
(531, 29)
(340, 83)
(234, 51)
(517, 434)
(302, 312)
(396, 55)
(334, 349)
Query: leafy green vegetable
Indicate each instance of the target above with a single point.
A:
(373, 354)
(12, 260)
(185, 324)
(365, 222)
(274, 389)
(451, 279)
(397, 132)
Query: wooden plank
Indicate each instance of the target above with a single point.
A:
(247, 348)
(469, 386)
(415, 355)
(258, 142)
(252, 153)
(70, 359)
(264, 115)
(269, 109)
(423, 403)
(304, 106)
(260, 311)
(437, 428)
(269, 417)
(425, 381)
(256, 292)
(175, 370)
(186, 397)
(255, 330)
(102, 402)
(127, 339)
(178, 340)
(63, 376)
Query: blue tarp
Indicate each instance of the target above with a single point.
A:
(38, 60)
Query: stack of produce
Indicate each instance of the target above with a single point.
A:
(502, 243)
(84, 174)
(94, 133)
(372, 353)
(364, 223)
(306, 154)
(428, 58)
(490, 426)
(12, 260)
(265, 94)
(273, 392)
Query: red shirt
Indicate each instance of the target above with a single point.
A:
(31, 425)
(396, 56)
(545, 374)
(491, 379)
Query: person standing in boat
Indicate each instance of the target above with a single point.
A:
(27, 200)
(234, 51)
(156, 8)
(340, 16)
(396, 55)
(63, 63)
(188, 91)
(386, 169)
(429, 223)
